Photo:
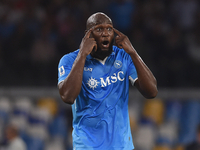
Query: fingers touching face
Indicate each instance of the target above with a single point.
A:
(88, 33)
(99, 29)
(95, 32)
(94, 28)
(118, 32)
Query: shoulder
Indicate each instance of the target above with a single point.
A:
(120, 52)
(70, 55)
(68, 58)
(117, 49)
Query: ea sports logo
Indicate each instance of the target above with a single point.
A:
(118, 64)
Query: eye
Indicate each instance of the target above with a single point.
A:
(109, 28)
(98, 29)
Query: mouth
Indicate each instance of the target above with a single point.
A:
(105, 44)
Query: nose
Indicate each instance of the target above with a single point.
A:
(105, 33)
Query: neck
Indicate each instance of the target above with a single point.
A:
(99, 54)
(101, 57)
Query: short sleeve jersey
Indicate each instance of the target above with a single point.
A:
(100, 112)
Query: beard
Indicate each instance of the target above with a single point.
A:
(102, 54)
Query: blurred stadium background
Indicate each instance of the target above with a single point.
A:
(35, 34)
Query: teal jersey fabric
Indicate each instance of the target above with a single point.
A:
(100, 112)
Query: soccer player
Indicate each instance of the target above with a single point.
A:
(95, 80)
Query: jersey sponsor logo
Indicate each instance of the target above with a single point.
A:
(112, 79)
(61, 70)
(88, 69)
(118, 64)
(93, 83)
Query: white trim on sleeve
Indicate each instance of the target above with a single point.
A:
(60, 82)
(132, 80)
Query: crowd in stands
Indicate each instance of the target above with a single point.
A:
(34, 35)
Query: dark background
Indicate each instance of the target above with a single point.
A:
(35, 34)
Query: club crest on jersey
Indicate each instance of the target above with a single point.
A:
(118, 64)
(61, 70)
(92, 83)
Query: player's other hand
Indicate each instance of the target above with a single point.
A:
(88, 44)
(122, 41)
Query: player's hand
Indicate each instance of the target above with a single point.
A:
(88, 44)
(122, 41)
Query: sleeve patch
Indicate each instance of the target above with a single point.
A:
(61, 70)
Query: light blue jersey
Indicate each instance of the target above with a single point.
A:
(100, 112)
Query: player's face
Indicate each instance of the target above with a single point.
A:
(103, 35)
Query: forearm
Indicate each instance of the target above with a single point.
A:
(71, 86)
(146, 82)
